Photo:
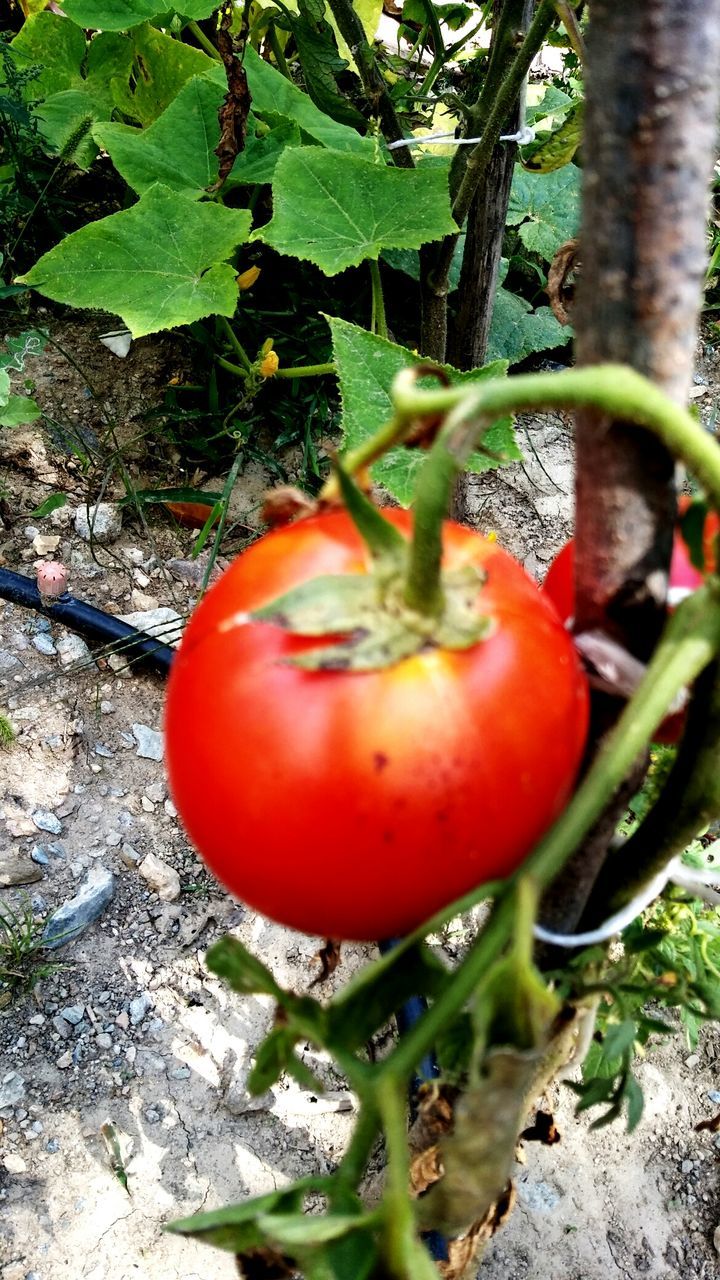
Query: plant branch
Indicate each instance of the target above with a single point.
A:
(379, 323)
(305, 370)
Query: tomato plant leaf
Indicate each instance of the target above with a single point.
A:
(545, 207)
(242, 971)
(273, 93)
(235, 1226)
(366, 365)
(177, 149)
(376, 992)
(121, 15)
(271, 1059)
(336, 210)
(159, 264)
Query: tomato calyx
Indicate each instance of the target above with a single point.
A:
(368, 619)
(376, 626)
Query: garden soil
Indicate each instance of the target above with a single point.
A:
(122, 1076)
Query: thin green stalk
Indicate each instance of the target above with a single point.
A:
(203, 41)
(353, 1163)
(305, 370)
(406, 1258)
(226, 495)
(231, 368)
(378, 323)
(235, 342)
(278, 54)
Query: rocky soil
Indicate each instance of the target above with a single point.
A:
(122, 1076)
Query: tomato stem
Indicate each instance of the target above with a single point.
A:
(406, 1257)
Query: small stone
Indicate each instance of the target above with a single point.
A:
(162, 879)
(64, 1061)
(123, 1020)
(44, 644)
(62, 1027)
(78, 912)
(164, 623)
(14, 1163)
(14, 1271)
(100, 523)
(7, 660)
(46, 543)
(687, 1166)
(107, 708)
(714, 1095)
(39, 855)
(152, 1115)
(46, 821)
(131, 1053)
(170, 809)
(716, 1239)
(15, 868)
(130, 856)
(139, 1006)
(149, 742)
(101, 749)
(103, 1040)
(73, 649)
(147, 805)
(52, 1145)
(141, 602)
(37, 1020)
(155, 792)
(73, 1014)
(30, 532)
(180, 1073)
(12, 1089)
(693, 1060)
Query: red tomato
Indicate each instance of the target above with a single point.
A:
(356, 804)
(684, 578)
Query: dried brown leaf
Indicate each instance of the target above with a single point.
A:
(712, 1125)
(286, 503)
(562, 275)
(233, 113)
(329, 958)
(543, 1130)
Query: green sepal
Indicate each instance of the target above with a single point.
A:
(385, 543)
(388, 643)
(331, 605)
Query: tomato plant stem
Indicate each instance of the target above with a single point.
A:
(406, 1257)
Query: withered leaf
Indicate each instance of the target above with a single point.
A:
(463, 1250)
(543, 1130)
(233, 113)
(478, 1154)
(286, 503)
(265, 1264)
(712, 1125)
(561, 280)
(329, 957)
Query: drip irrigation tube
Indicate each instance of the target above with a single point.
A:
(93, 624)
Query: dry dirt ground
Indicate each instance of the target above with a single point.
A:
(133, 1032)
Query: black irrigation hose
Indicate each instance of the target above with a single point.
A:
(94, 624)
(102, 628)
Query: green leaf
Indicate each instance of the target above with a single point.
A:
(65, 121)
(4, 386)
(31, 342)
(159, 68)
(273, 93)
(53, 503)
(242, 971)
(634, 1101)
(57, 47)
(321, 62)
(293, 1231)
(160, 264)
(177, 149)
(377, 991)
(545, 207)
(336, 210)
(121, 15)
(366, 365)
(552, 150)
(618, 1038)
(271, 1059)
(235, 1226)
(18, 410)
(516, 331)
(258, 158)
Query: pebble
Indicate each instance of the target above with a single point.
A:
(130, 856)
(149, 742)
(716, 1239)
(123, 1020)
(74, 1013)
(39, 855)
(78, 912)
(14, 1163)
(62, 1027)
(103, 1040)
(147, 805)
(46, 821)
(170, 809)
(15, 868)
(52, 1145)
(7, 660)
(44, 644)
(107, 708)
(693, 1060)
(64, 1061)
(164, 623)
(714, 1095)
(12, 1089)
(101, 749)
(687, 1166)
(139, 1006)
(180, 1073)
(72, 649)
(155, 792)
(100, 523)
(151, 1115)
(162, 879)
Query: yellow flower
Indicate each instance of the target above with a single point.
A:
(269, 364)
(247, 279)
